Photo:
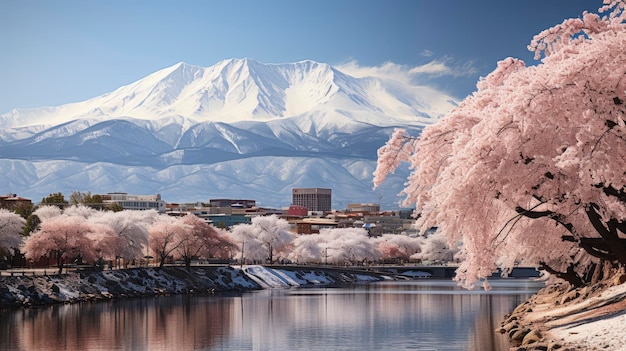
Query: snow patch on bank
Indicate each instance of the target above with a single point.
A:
(285, 278)
(597, 321)
(24, 291)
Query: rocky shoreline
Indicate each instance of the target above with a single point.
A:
(563, 318)
(74, 287)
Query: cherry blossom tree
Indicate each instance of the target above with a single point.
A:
(335, 246)
(308, 248)
(199, 240)
(62, 238)
(44, 212)
(222, 244)
(263, 238)
(530, 168)
(435, 248)
(164, 236)
(11, 225)
(348, 246)
(131, 230)
(398, 247)
(80, 210)
(106, 243)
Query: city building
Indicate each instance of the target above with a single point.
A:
(387, 223)
(136, 202)
(297, 211)
(12, 201)
(314, 199)
(364, 208)
(232, 203)
(223, 220)
(313, 225)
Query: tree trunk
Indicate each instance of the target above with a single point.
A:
(569, 275)
(270, 256)
(162, 261)
(60, 262)
(608, 233)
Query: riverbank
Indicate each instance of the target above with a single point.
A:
(559, 317)
(42, 290)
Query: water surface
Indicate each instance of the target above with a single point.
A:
(396, 315)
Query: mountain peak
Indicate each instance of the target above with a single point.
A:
(239, 89)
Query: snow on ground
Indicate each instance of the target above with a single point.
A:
(266, 277)
(562, 318)
(38, 290)
(598, 321)
(284, 278)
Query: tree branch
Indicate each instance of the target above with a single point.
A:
(608, 232)
(557, 217)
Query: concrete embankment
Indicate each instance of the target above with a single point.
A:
(40, 290)
(28, 290)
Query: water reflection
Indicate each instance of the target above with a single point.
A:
(422, 315)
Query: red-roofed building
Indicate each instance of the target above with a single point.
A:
(12, 201)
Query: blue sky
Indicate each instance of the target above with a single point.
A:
(57, 52)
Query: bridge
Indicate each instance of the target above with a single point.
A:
(449, 271)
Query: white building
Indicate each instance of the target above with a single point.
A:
(136, 202)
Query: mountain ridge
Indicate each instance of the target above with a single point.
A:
(239, 128)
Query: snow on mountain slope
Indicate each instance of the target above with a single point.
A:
(268, 180)
(162, 143)
(244, 89)
(239, 128)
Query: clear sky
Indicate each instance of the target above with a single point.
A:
(57, 52)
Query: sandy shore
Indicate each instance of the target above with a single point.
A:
(562, 318)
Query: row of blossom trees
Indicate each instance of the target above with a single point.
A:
(95, 236)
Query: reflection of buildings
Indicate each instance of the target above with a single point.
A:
(314, 199)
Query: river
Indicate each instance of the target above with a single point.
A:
(422, 314)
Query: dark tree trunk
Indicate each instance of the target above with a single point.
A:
(162, 261)
(60, 262)
(608, 233)
(569, 275)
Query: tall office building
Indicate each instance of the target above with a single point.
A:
(314, 199)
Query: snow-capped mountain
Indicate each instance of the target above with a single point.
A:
(239, 128)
